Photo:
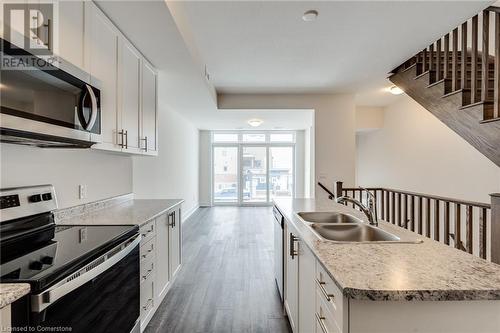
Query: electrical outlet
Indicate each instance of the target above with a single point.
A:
(82, 191)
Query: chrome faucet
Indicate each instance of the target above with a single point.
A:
(370, 209)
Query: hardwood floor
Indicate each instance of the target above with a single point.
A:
(226, 283)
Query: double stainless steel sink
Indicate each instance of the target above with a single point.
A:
(344, 228)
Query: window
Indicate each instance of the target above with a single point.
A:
(253, 167)
(225, 137)
(281, 137)
(258, 137)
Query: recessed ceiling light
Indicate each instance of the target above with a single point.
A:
(395, 90)
(310, 15)
(255, 122)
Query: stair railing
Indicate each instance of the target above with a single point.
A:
(473, 227)
(462, 59)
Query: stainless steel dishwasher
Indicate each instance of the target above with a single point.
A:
(278, 250)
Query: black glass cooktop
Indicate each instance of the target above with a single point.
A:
(70, 248)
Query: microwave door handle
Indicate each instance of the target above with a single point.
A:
(93, 115)
(43, 300)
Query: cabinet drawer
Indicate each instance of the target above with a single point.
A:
(147, 296)
(147, 231)
(329, 293)
(325, 322)
(147, 249)
(147, 268)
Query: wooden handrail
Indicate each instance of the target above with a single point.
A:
(426, 196)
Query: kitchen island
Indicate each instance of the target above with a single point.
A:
(405, 286)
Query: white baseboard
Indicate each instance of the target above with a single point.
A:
(190, 212)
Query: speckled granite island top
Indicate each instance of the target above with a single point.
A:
(428, 271)
(11, 292)
(131, 211)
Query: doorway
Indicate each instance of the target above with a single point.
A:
(252, 168)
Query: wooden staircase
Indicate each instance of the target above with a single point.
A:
(458, 81)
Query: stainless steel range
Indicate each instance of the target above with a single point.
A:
(83, 278)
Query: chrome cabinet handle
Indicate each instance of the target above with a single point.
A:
(171, 215)
(293, 252)
(122, 141)
(149, 231)
(150, 301)
(49, 29)
(320, 320)
(148, 273)
(126, 139)
(145, 143)
(323, 290)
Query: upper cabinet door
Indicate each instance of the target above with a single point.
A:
(149, 110)
(129, 64)
(71, 32)
(101, 46)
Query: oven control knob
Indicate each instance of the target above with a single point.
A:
(36, 265)
(47, 196)
(35, 198)
(47, 260)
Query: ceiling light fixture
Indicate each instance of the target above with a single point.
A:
(310, 15)
(255, 122)
(395, 90)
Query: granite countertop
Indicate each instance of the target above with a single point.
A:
(11, 292)
(133, 211)
(429, 271)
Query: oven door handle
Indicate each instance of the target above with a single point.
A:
(93, 115)
(41, 301)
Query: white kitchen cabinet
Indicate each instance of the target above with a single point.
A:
(292, 278)
(162, 254)
(101, 57)
(175, 241)
(70, 32)
(5, 318)
(148, 272)
(149, 114)
(129, 67)
(307, 288)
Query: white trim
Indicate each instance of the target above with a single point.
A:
(186, 215)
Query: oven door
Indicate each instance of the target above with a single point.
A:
(101, 297)
(47, 100)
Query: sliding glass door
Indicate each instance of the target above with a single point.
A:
(225, 181)
(281, 172)
(254, 174)
(252, 168)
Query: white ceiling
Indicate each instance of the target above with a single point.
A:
(265, 46)
(151, 28)
(259, 46)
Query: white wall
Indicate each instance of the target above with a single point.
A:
(106, 175)
(369, 118)
(334, 130)
(205, 168)
(174, 173)
(414, 151)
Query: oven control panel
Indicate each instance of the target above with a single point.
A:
(25, 201)
(9, 201)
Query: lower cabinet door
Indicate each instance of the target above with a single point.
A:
(175, 240)
(292, 279)
(147, 300)
(307, 289)
(162, 256)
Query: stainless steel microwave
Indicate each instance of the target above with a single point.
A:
(47, 105)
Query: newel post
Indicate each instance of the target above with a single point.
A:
(338, 189)
(495, 228)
